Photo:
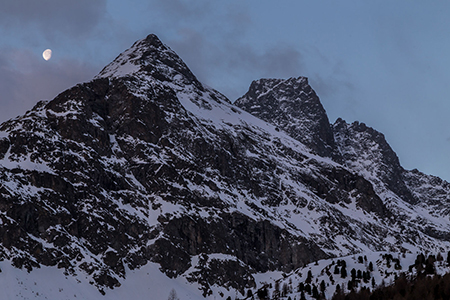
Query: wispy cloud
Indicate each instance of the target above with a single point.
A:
(52, 18)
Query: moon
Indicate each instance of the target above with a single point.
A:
(47, 54)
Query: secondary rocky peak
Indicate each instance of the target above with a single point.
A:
(355, 138)
(149, 57)
(293, 106)
(263, 86)
(367, 152)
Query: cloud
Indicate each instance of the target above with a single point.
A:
(25, 79)
(51, 17)
(216, 43)
(231, 65)
(213, 40)
(184, 10)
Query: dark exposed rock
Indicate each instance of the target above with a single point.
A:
(254, 243)
(4, 146)
(292, 106)
(359, 144)
(222, 272)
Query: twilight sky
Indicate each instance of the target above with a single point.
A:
(385, 63)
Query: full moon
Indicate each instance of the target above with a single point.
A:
(47, 54)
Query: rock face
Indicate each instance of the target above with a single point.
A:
(366, 151)
(292, 106)
(146, 164)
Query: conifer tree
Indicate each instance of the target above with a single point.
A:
(276, 292)
(173, 295)
(308, 289)
(350, 285)
(302, 296)
(322, 286)
(284, 290)
(315, 292)
(420, 260)
(343, 272)
(309, 277)
(263, 293)
(336, 270)
(353, 274)
(429, 268)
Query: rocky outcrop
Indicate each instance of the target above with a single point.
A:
(367, 152)
(292, 106)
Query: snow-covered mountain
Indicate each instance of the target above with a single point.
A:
(144, 172)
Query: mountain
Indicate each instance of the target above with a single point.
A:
(145, 170)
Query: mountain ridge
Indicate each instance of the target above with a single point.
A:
(146, 165)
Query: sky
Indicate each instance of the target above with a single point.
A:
(384, 63)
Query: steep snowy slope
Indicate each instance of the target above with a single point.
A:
(432, 192)
(415, 198)
(415, 202)
(145, 166)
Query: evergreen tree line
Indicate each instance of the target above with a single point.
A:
(420, 288)
(426, 285)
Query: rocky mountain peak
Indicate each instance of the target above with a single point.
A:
(263, 86)
(366, 151)
(152, 59)
(293, 106)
